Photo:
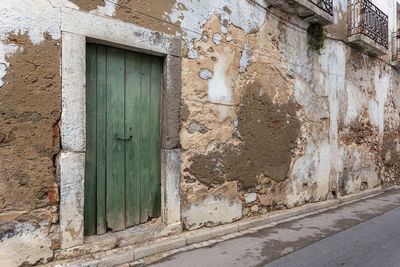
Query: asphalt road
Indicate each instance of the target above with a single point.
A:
(375, 242)
(364, 233)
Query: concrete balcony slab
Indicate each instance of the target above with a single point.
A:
(396, 61)
(306, 9)
(367, 45)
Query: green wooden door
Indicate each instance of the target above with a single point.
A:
(122, 170)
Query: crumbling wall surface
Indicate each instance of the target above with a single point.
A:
(286, 124)
(352, 95)
(254, 114)
(390, 150)
(30, 90)
(362, 126)
(239, 108)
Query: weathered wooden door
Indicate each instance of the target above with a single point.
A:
(122, 171)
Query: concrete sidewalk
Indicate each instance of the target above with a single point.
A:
(268, 244)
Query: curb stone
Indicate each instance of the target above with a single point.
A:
(224, 230)
(158, 247)
(197, 237)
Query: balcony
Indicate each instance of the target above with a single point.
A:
(396, 49)
(310, 10)
(368, 27)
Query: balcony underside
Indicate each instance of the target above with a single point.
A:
(396, 61)
(396, 64)
(367, 45)
(304, 9)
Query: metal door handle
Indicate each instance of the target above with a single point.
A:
(124, 138)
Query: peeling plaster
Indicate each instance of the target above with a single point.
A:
(194, 14)
(245, 59)
(33, 241)
(219, 86)
(6, 50)
(381, 96)
(108, 9)
(217, 38)
(20, 17)
(205, 74)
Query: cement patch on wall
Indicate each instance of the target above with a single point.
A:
(25, 244)
(267, 132)
(209, 208)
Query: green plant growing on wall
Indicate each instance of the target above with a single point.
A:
(316, 36)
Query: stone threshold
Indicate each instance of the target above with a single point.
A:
(132, 254)
(139, 234)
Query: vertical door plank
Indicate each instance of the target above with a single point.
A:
(145, 207)
(101, 138)
(154, 146)
(115, 148)
(133, 127)
(90, 162)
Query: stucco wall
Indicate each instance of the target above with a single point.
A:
(30, 91)
(266, 123)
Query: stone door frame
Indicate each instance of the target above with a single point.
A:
(78, 28)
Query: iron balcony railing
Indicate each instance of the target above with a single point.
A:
(325, 5)
(365, 18)
(396, 46)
